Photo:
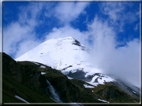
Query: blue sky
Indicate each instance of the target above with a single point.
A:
(110, 29)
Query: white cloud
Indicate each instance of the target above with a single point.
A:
(25, 46)
(136, 27)
(65, 32)
(69, 11)
(113, 10)
(127, 62)
(122, 62)
(29, 14)
(118, 16)
(22, 31)
(14, 35)
(104, 41)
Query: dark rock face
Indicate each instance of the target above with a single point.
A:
(67, 67)
(79, 44)
(10, 67)
(76, 42)
(77, 75)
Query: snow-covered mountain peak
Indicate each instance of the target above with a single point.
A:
(62, 42)
(68, 55)
(57, 53)
(69, 38)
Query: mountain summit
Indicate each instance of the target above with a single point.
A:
(60, 52)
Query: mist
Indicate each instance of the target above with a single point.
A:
(121, 62)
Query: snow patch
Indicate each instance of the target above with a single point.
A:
(134, 92)
(69, 78)
(88, 86)
(42, 67)
(36, 63)
(103, 100)
(94, 84)
(94, 78)
(92, 70)
(101, 79)
(18, 97)
(42, 73)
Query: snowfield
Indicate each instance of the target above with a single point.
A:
(101, 79)
(103, 100)
(88, 86)
(42, 73)
(57, 53)
(36, 63)
(42, 67)
(69, 78)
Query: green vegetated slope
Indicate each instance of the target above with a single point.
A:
(25, 80)
(113, 94)
(22, 79)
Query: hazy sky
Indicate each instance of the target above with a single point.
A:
(110, 29)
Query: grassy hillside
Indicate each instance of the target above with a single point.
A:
(22, 79)
(113, 94)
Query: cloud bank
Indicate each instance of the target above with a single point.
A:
(123, 62)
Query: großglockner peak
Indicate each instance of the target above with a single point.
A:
(71, 57)
(57, 53)
(65, 54)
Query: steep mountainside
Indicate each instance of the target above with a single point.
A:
(57, 53)
(33, 82)
(23, 81)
